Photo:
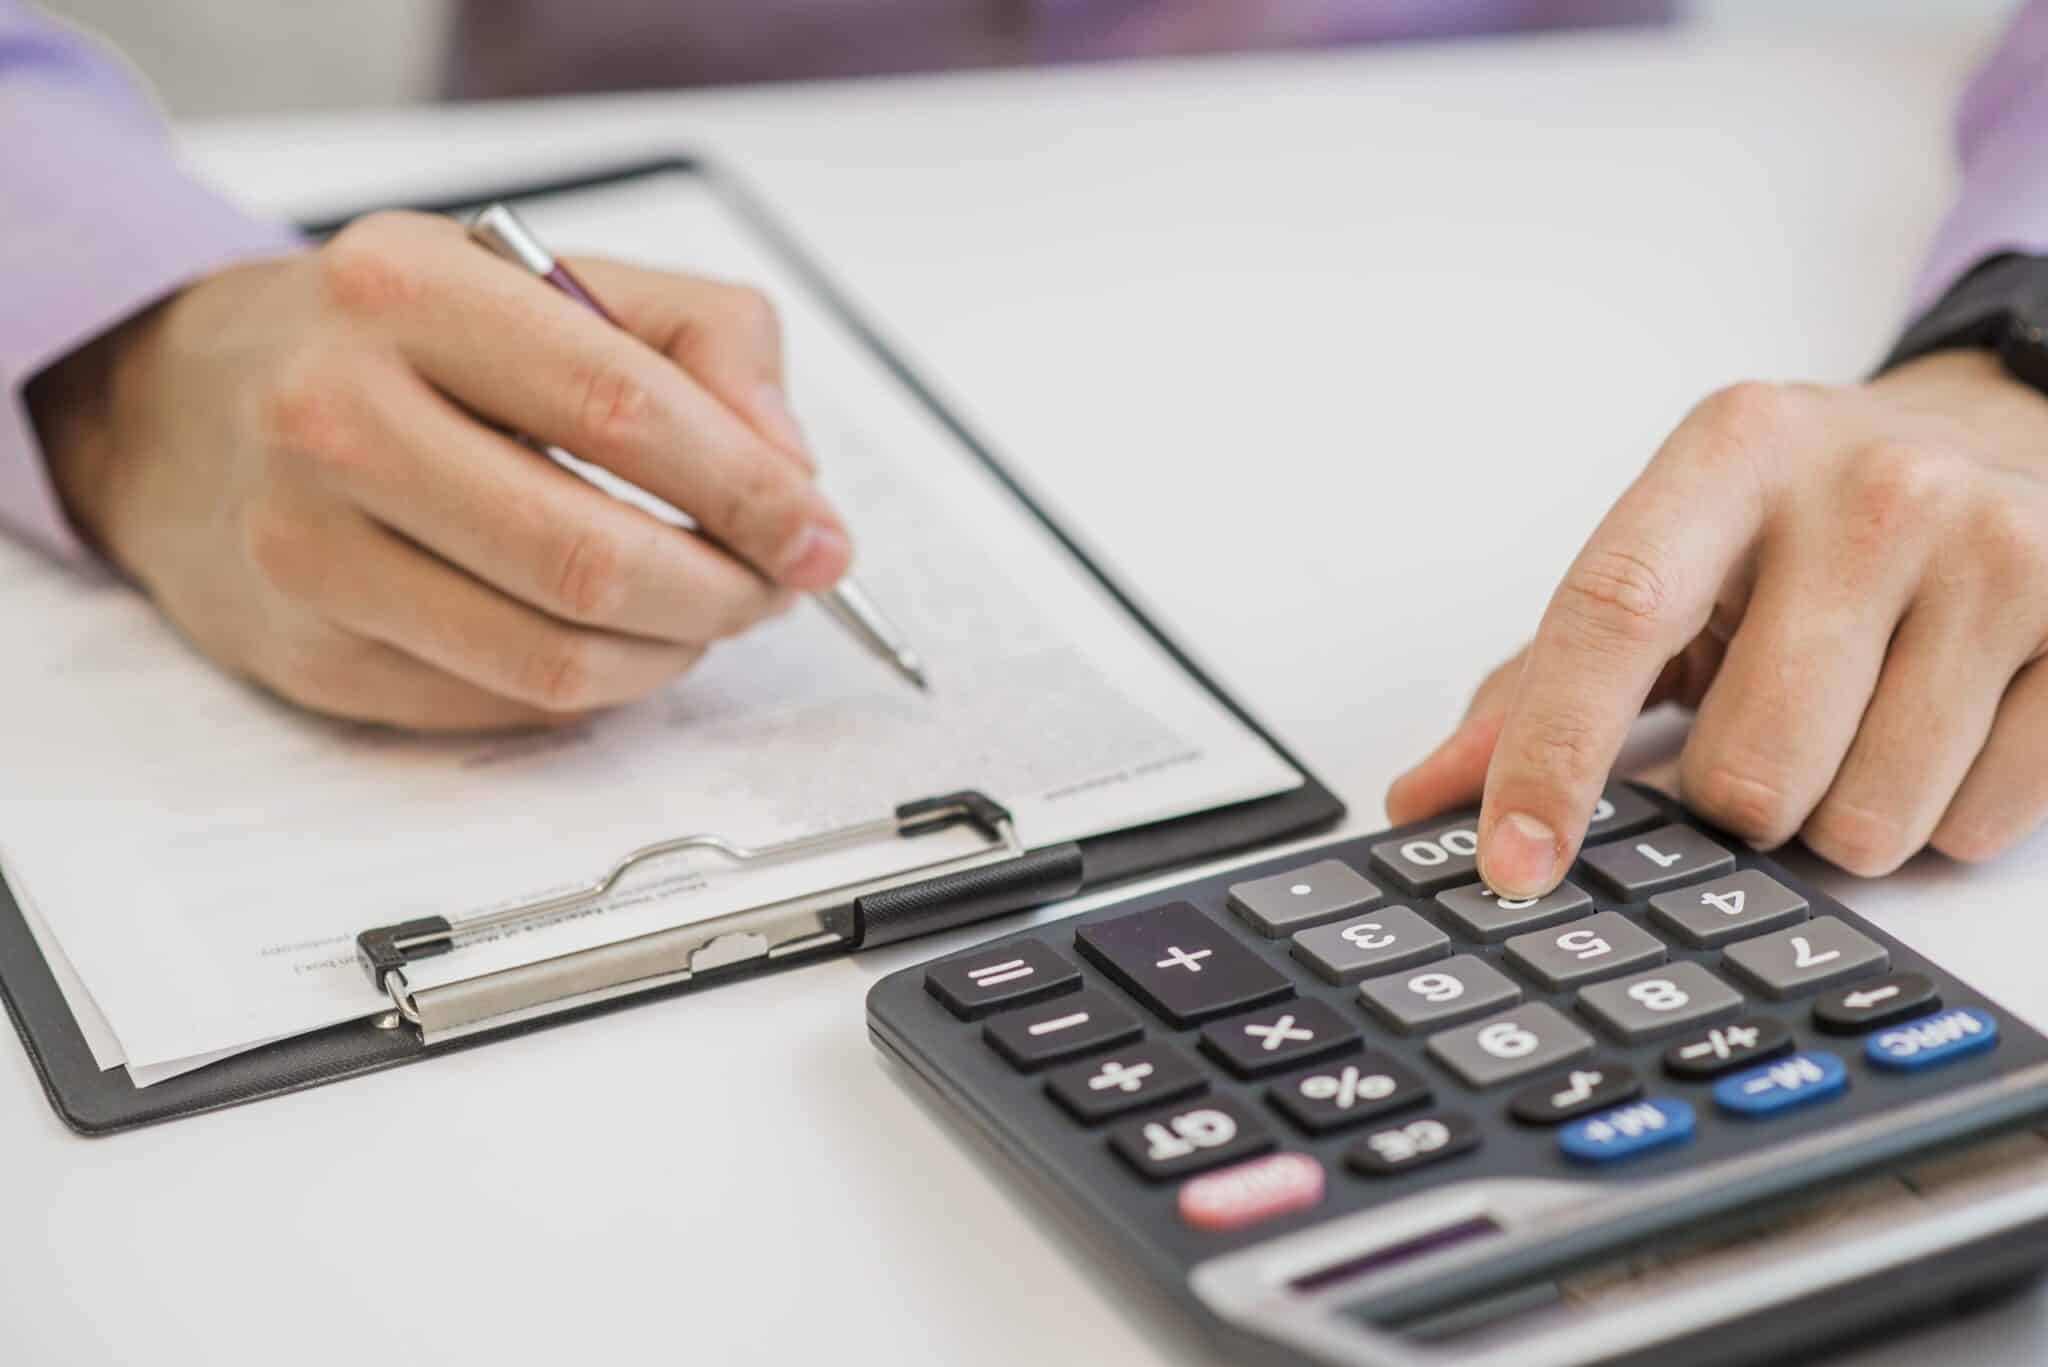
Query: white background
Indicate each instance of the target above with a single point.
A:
(1263, 329)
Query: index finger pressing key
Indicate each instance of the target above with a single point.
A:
(1638, 593)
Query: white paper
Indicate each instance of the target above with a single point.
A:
(204, 854)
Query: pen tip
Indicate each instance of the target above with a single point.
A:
(915, 673)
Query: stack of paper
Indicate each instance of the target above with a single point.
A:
(196, 857)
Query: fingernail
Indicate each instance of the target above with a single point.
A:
(778, 423)
(1519, 856)
(814, 558)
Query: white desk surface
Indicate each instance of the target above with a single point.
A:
(1257, 327)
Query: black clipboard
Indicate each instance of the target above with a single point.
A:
(92, 1102)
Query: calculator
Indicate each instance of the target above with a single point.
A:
(1349, 1106)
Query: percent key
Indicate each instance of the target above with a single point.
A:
(1334, 1097)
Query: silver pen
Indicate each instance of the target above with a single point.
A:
(498, 228)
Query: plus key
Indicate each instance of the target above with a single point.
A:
(1181, 964)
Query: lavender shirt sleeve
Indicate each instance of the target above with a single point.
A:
(2002, 135)
(97, 221)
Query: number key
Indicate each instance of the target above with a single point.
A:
(1600, 947)
(1441, 993)
(1621, 811)
(1732, 908)
(1660, 1002)
(1429, 860)
(1806, 958)
(1480, 913)
(1528, 1039)
(1636, 867)
(1378, 942)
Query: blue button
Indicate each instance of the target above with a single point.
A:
(1626, 1131)
(1933, 1040)
(1792, 1081)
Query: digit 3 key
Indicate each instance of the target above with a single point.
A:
(1348, 1106)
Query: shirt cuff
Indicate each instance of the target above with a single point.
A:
(118, 227)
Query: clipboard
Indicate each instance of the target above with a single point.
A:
(1001, 877)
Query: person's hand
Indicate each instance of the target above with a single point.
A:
(306, 462)
(1851, 585)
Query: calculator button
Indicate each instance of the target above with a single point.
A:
(1626, 1131)
(1451, 990)
(1148, 1074)
(1339, 1095)
(1570, 1095)
(1187, 1139)
(1933, 1041)
(1432, 859)
(1660, 1002)
(1600, 947)
(1795, 1080)
(1180, 963)
(1063, 1028)
(1528, 1039)
(1722, 1049)
(1272, 1038)
(1881, 1001)
(1287, 902)
(1742, 904)
(1378, 942)
(1398, 1148)
(1479, 913)
(1263, 1189)
(1635, 867)
(985, 980)
(1806, 958)
(1621, 811)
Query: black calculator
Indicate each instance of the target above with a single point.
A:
(1349, 1106)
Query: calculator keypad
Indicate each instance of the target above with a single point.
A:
(1454, 989)
(1287, 902)
(1278, 1047)
(1807, 958)
(1380, 942)
(1181, 964)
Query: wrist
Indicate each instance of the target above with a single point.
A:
(73, 409)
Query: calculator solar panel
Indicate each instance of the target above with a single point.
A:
(1207, 1069)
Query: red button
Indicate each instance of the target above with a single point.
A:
(1251, 1192)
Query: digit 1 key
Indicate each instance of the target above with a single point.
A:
(1634, 868)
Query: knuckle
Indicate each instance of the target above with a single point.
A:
(2010, 540)
(588, 580)
(281, 547)
(613, 408)
(1560, 749)
(560, 676)
(1616, 594)
(301, 408)
(1746, 416)
(1893, 485)
(766, 504)
(751, 310)
(369, 269)
(1751, 805)
(1857, 838)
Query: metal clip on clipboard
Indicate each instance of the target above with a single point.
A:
(1001, 876)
